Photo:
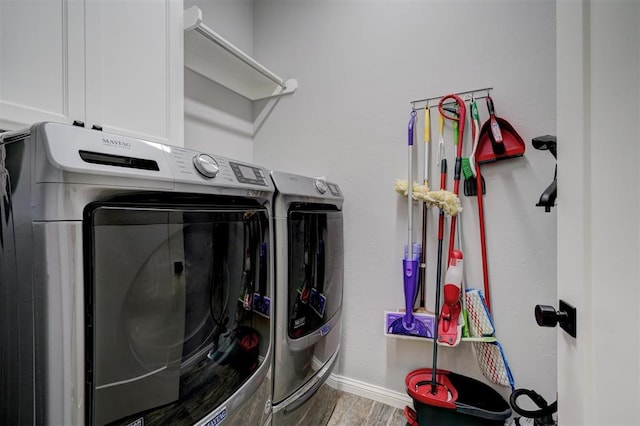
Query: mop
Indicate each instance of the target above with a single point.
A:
(419, 325)
(442, 393)
(450, 322)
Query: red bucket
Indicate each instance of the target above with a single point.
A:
(455, 399)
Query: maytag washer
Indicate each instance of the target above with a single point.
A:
(309, 269)
(135, 282)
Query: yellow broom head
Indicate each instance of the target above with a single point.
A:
(441, 199)
(402, 188)
(445, 200)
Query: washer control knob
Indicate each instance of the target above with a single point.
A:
(206, 165)
(321, 186)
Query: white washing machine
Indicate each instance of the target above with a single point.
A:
(135, 282)
(309, 259)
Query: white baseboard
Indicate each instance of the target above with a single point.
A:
(366, 390)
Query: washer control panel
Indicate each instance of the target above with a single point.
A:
(195, 167)
(334, 189)
(248, 174)
(206, 165)
(321, 186)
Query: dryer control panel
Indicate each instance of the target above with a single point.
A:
(313, 189)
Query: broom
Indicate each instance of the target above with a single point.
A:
(469, 163)
(449, 329)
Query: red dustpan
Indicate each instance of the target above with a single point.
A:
(498, 139)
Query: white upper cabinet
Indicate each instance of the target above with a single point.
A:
(114, 64)
(134, 68)
(41, 62)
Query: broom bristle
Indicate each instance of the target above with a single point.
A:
(466, 168)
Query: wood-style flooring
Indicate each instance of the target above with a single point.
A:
(355, 410)
(331, 407)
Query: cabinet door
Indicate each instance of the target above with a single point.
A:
(41, 62)
(134, 68)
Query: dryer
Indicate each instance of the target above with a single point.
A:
(135, 282)
(309, 259)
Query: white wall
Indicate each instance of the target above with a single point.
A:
(359, 64)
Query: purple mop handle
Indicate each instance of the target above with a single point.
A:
(412, 123)
(409, 264)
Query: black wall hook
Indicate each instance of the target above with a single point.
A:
(548, 197)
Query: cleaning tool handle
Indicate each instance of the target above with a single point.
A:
(483, 240)
(440, 138)
(411, 129)
(474, 111)
(410, 279)
(425, 213)
(458, 165)
(490, 106)
(495, 127)
(475, 124)
(457, 169)
(427, 140)
(427, 125)
(443, 185)
(475, 133)
(443, 174)
(455, 133)
(459, 116)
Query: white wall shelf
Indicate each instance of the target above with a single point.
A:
(211, 55)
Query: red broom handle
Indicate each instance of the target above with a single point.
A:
(460, 118)
(483, 242)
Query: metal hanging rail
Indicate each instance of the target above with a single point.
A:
(485, 90)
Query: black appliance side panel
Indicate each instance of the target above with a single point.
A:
(18, 391)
